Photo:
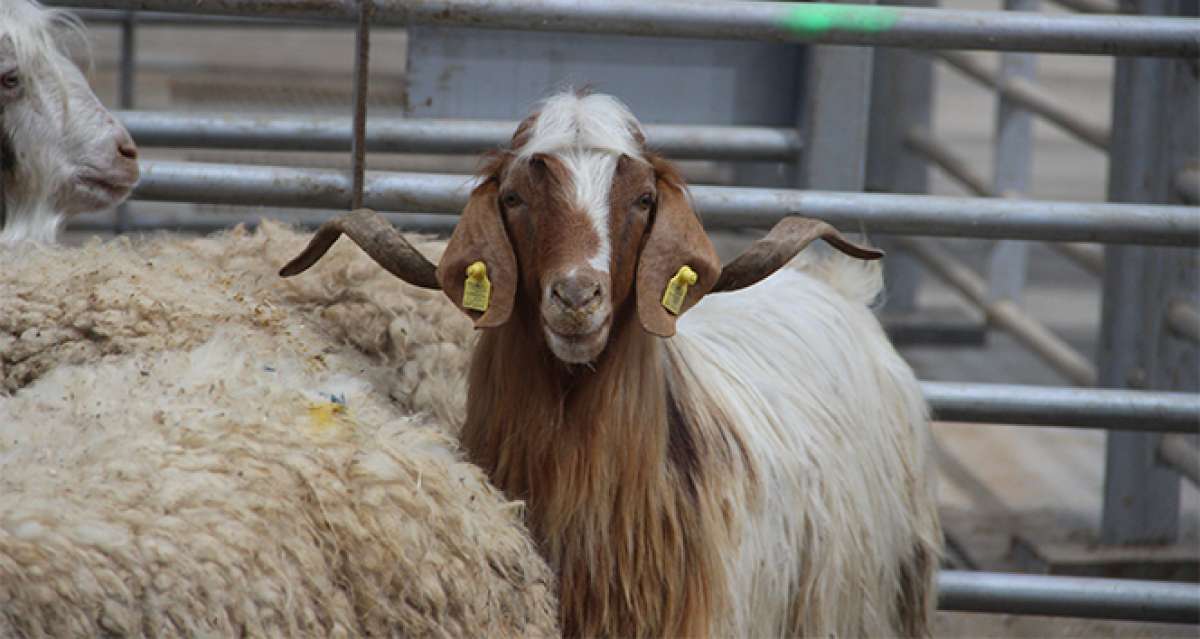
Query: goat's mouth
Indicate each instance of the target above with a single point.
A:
(112, 188)
(96, 191)
(577, 343)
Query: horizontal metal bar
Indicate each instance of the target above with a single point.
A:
(161, 19)
(1004, 314)
(1055, 596)
(823, 23)
(1031, 97)
(722, 207)
(1087, 6)
(1110, 409)
(1183, 320)
(398, 135)
(1176, 452)
(408, 222)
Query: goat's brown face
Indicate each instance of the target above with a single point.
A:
(583, 221)
(576, 221)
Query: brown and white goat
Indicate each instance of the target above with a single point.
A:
(763, 472)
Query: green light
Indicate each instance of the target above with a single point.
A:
(818, 17)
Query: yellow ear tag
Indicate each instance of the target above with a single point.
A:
(477, 292)
(677, 289)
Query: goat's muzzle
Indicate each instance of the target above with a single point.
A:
(576, 314)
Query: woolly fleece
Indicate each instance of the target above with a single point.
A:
(171, 463)
(62, 305)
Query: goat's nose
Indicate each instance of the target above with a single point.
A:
(575, 292)
(127, 149)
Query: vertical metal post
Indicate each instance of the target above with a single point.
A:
(901, 99)
(128, 60)
(362, 59)
(1012, 166)
(834, 117)
(125, 92)
(1152, 140)
(3, 201)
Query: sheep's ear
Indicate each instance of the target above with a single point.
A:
(480, 237)
(676, 239)
(789, 236)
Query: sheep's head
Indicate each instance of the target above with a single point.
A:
(573, 223)
(64, 153)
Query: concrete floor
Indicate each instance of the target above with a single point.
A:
(1026, 472)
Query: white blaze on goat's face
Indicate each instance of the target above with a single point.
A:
(557, 193)
(65, 154)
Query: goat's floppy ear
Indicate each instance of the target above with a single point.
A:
(789, 237)
(676, 240)
(480, 237)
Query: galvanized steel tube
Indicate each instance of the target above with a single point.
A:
(1110, 409)
(956, 216)
(407, 222)
(1129, 599)
(722, 207)
(769, 21)
(192, 21)
(398, 135)
(362, 66)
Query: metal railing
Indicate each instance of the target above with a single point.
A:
(884, 26)
(1128, 347)
(1109, 409)
(1090, 597)
(285, 132)
(721, 207)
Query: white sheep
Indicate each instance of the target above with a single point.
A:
(61, 152)
(191, 447)
(764, 472)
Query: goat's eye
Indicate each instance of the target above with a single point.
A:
(10, 80)
(510, 200)
(646, 200)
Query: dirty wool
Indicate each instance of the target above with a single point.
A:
(191, 446)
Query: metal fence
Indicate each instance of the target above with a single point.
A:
(1150, 323)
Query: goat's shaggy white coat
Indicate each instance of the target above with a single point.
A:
(171, 463)
(840, 443)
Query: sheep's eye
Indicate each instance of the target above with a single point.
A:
(10, 80)
(646, 200)
(510, 200)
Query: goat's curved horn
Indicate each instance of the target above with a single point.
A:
(375, 235)
(788, 238)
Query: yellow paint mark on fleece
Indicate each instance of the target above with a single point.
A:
(327, 416)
